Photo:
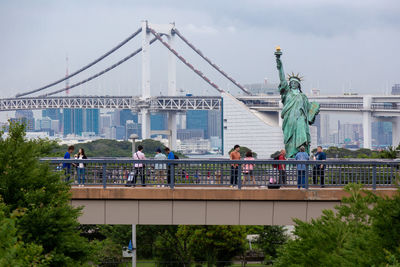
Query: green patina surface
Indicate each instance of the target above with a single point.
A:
(297, 113)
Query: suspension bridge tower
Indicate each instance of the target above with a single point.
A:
(168, 31)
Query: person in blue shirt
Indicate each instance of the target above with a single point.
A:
(302, 168)
(170, 155)
(319, 169)
(67, 166)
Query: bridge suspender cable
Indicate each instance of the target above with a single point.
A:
(185, 62)
(211, 63)
(85, 67)
(99, 73)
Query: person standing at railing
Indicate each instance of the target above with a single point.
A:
(67, 166)
(139, 167)
(248, 169)
(282, 167)
(302, 168)
(159, 167)
(319, 169)
(81, 167)
(235, 155)
(170, 157)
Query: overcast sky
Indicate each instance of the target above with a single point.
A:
(338, 45)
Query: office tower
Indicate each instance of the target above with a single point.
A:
(25, 117)
(127, 115)
(324, 131)
(73, 121)
(105, 123)
(214, 123)
(52, 113)
(91, 121)
(158, 121)
(197, 119)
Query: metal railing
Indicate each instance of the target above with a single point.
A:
(221, 172)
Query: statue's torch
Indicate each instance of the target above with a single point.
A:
(278, 52)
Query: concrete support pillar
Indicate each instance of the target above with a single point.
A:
(396, 131)
(172, 127)
(367, 121)
(145, 120)
(134, 256)
(145, 61)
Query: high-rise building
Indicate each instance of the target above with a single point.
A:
(91, 121)
(105, 123)
(25, 117)
(381, 133)
(52, 113)
(324, 131)
(214, 123)
(396, 89)
(77, 121)
(28, 122)
(197, 119)
(127, 115)
(158, 121)
(73, 121)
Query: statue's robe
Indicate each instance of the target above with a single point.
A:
(297, 114)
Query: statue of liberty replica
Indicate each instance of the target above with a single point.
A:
(297, 113)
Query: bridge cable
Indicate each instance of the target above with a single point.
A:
(241, 87)
(99, 73)
(85, 67)
(185, 62)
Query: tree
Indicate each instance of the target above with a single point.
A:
(13, 251)
(216, 244)
(271, 238)
(364, 231)
(48, 219)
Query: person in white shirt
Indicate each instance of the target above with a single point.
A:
(139, 167)
(160, 168)
(81, 167)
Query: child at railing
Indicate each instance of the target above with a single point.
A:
(248, 168)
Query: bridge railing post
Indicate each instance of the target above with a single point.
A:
(172, 175)
(307, 175)
(374, 176)
(104, 175)
(239, 176)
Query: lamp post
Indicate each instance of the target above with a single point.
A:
(133, 137)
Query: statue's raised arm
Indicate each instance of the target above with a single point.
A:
(283, 83)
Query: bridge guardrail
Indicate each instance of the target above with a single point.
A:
(257, 173)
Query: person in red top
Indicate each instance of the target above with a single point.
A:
(282, 167)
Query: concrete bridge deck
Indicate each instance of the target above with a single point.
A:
(205, 205)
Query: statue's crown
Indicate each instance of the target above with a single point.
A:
(295, 77)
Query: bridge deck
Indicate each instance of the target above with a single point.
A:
(216, 193)
(204, 205)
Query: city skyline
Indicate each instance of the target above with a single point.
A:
(61, 29)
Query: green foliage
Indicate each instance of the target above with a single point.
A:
(336, 152)
(49, 221)
(272, 237)
(104, 148)
(13, 251)
(364, 231)
(214, 243)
